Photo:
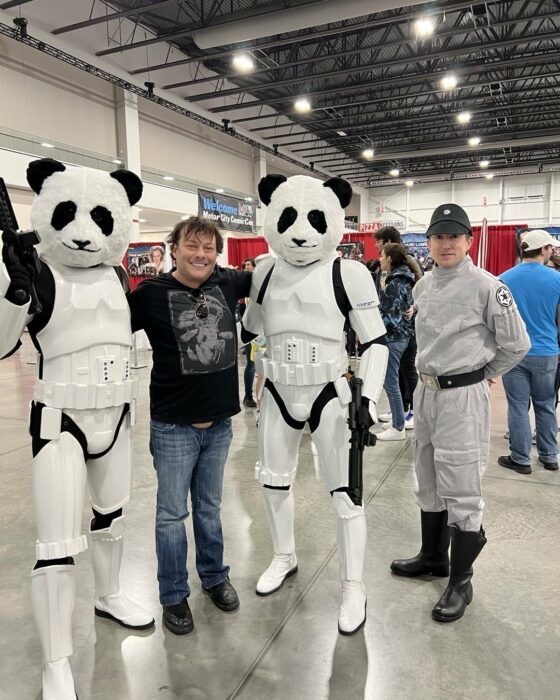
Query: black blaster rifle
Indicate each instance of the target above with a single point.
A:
(360, 438)
(22, 252)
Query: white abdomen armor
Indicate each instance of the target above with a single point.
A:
(303, 326)
(86, 344)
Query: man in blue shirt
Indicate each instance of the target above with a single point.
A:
(536, 290)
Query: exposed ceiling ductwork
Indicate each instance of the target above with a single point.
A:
(293, 19)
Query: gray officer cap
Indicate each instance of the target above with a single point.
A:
(449, 218)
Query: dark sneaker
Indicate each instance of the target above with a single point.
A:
(223, 595)
(551, 466)
(510, 463)
(178, 618)
(249, 402)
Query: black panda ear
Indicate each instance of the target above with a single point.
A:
(267, 185)
(131, 183)
(39, 170)
(341, 188)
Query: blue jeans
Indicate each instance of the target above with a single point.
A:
(249, 372)
(391, 383)
(532, 380)
(187, 458)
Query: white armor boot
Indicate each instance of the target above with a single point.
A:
(351, 540)
(279, 505)
(53, 591)
(106, 547)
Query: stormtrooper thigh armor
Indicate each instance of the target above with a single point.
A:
(283, 412)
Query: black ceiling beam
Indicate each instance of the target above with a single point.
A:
(450, 32)
(437, 119)
(493, 143)
(13, 3)
(359, 104)
(471, 69)
(312, 35)
(406, 60)
(134, 11)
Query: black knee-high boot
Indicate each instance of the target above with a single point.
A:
(433, 558)
(465, 548)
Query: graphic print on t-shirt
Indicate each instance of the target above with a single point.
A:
(205, 344)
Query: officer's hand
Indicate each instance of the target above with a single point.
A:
(409, 313)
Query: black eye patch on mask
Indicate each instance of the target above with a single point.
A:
(102, 217)
(63, 214)
(317, 219)
(287, 218)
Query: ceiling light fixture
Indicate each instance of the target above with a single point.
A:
(341, 133)
(302, 105)
(116, 161)
(219, 190)
(424, 27)
(488, 176)
(248, 199)
(368, 153)
(474, 141)
(409, 183)
(464, 117)
(168, 177)
(484, 163)
(394, 172)
(142, 221)
(47, 145)
(243, 62)
(448, 82)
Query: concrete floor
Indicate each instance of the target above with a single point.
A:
(287, 646)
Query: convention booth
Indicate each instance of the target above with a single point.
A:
(239, 249)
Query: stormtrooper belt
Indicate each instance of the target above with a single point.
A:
(452, 381)
(86, 396)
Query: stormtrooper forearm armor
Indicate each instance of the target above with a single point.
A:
(365, 318)
(13, 318)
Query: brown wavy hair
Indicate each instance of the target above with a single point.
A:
(398, 256)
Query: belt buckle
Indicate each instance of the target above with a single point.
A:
(429, 381)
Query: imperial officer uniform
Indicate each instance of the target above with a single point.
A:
(468, 330)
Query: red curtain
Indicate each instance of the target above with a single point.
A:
(370, 249)
(239, 249)
(501, 246)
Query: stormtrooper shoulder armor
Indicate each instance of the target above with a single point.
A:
(365, 317)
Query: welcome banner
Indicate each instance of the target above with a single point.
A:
(229, 213)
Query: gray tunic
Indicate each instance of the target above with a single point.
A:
(466, 320)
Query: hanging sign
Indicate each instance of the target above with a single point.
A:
(229, 213)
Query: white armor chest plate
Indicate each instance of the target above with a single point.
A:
(86, 343)
(303, 325)
(90, 308)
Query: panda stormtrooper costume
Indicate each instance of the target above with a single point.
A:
(300, 302)
(83, 404)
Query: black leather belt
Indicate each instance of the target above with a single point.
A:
(452, 381)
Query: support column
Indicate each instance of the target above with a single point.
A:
(128, 141)
(259, 171)
(551, 200)
(501, 202)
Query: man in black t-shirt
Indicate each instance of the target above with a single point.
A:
(189, 317)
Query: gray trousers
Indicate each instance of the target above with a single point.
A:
(451, 429)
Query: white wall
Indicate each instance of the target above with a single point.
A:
(45, 97)
(509, 200)
(173, 143)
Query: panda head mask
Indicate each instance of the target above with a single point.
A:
(83, 216)
(304, 220)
